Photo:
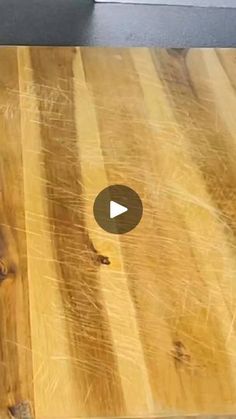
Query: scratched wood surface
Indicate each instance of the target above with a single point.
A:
(154, 332)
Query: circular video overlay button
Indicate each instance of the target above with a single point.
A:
(118, 209)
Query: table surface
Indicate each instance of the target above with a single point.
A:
(194, 3)
(153, 333)
(81, 22)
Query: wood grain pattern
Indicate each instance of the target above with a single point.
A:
(15, 349)
(153, 333)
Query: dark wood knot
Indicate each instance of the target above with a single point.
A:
(21, 411)
(3, 269)
(180, 354)
(104, 260)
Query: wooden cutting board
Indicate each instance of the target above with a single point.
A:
(153, 333)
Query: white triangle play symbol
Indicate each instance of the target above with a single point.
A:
(116, 209)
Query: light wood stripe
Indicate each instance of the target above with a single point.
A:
(113, 279)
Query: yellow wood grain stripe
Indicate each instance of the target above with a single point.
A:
(113, 279)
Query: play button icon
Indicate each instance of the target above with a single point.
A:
(118, 209)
